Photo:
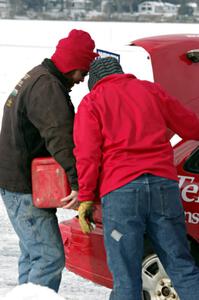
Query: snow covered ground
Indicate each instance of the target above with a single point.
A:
(24, 44)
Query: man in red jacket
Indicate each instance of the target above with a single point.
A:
(122, 148)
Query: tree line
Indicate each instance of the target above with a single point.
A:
(22, 6)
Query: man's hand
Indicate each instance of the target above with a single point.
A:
(71, 201)
(86, 216)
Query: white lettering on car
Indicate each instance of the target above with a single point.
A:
(192, 218)
(188, 190)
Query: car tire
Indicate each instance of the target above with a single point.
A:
(156, 283)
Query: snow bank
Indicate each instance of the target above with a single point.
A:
(31, 291)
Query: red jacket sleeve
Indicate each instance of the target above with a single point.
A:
(179, 118)
(88, 141)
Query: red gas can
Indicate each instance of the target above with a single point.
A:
(49, 183)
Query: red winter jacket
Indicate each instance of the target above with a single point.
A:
(121, 132)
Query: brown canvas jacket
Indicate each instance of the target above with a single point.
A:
(37, 122)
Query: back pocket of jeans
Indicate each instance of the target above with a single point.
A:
(121, 205)
(170, 201)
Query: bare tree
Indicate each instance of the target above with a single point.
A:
(106, 6)
(36, 5)
(97, 4)
(118, 4)
(15, 7)
(130, 5)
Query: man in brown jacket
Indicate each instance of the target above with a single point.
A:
(38, 122)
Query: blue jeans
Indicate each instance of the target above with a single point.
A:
(42, 254)
(150, 205)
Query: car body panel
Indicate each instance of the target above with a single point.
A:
(171, 67)
(85, 254)
(189, 186)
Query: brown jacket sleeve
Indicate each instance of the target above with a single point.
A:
(52, 113)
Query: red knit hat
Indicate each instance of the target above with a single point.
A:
(74, 52)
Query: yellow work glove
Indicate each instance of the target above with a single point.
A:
(86, 216)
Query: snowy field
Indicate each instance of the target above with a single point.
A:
(23, 44)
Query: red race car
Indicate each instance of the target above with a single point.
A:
(174, 62)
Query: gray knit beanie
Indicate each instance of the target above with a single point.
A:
(103, 67)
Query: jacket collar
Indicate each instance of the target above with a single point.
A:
(47, 63)
(112, 78)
